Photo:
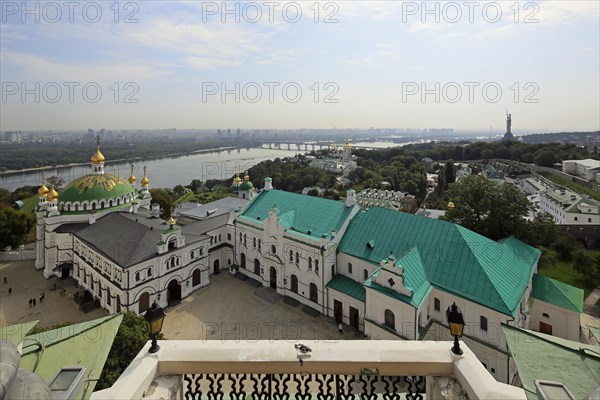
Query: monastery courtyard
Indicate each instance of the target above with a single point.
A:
(226, 309)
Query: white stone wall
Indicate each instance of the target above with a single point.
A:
(565, 323)
(347, 302)
(313, 264)
(404, 316)
(358, 267)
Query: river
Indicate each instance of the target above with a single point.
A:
(164, 172)
(181, 170)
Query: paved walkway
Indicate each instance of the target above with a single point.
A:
(228, 309)
(27, 282)
(590, 315)
(225, 309)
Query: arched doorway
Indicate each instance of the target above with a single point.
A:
(256, 266)
(216, 267)
(65, 270)
(294, 284)
(243, 261)
(314, 295)
(144, 302)
(118, 304)
(173, 292)
(273, 277)
(196, 277)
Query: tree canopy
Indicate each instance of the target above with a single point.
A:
(14, 227)
(131, 337)
(493, 210)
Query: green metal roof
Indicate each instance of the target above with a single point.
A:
(16, 333)
(453, 258)
(545, 357)
(558, 293)
(347, 286)
(95, 187)
(86, 344)
(246, 185)
(414, 279)
(308, 215)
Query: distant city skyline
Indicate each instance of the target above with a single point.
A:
(291, 65)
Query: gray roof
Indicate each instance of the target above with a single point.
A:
(71, 228)
(218, 207)
(128, 242)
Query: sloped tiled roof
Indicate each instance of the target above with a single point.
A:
(538, 356)
(416, 280)
(299, 213)
(218, 207)
(348, 286)
(17, 332)
(558, 293)
(128, 242)
(455, 259)
(86, 344)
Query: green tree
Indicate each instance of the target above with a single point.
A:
(164, 199)
(450, 172)
(131, 337)
(195, 185)
(541, 231)
(178, 191)
(14, 227)
(545, 158)
(566, 245)
(493, 210)
(313, 192)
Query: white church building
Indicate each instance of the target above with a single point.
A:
(387, 274)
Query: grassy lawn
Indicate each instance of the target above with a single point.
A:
(553, 267)
(576, 187)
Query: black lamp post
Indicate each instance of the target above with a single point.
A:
(154, 321)
(457, 325)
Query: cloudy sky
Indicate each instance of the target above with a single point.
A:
(271, 64)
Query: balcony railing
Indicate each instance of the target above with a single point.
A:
(185, 369)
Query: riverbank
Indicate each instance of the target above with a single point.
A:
(117, 161)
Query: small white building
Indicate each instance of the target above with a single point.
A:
(556, 308)
(586, 169)
(569, 208)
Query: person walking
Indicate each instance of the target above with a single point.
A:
(341, 328)
(33, 301)
(30, 302)
(9, 290)
(41, 298)
(5, 280)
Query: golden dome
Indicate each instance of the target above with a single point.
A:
(131, 177)
(171, 219)
(98, 157)
(450, 205)
(246, 177)
(43, 190)
(347, 145)
(52, 194)
(237, 179)
(145, 180)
